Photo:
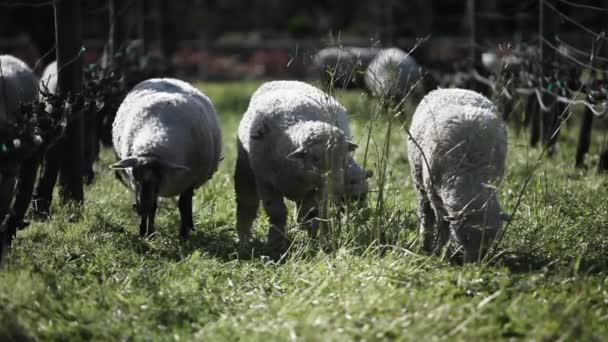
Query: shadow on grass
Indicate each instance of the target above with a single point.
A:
(217, 242)
(522, 262)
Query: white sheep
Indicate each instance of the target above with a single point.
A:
(168, 139)
(48, 79)
(290, 144)
(457, 152)
(355, 178)
(392, 74)
(18, 84)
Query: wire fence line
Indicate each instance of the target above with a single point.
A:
(584, 6)
(27, 4)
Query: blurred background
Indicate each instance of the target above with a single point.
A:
(233, 40)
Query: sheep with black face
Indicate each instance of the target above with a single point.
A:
(18, 85)
(168, 139)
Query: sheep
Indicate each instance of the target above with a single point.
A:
(456, 150)
(355, 177)
(17, 85)
(293, 142)
(391, 75)
(343, 66)
(168, 139)
(48, 80)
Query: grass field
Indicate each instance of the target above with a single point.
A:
(96, 279)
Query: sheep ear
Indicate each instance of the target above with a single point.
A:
(505, 217)
(369, 173)
(126, 163)
(351, 146)
(299, 153)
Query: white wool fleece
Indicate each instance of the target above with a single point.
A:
(175, 122)
(17, 84)
(391, 74)
(293, 107)
(458, 133)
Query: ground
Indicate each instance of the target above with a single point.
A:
(97, 279)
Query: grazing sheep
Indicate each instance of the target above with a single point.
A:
(293, 142)
(391, 74)
(355, 178)
(168, 139)
(457, 152)
(343, 67)
(17, 85)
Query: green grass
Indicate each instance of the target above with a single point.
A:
(96, 279)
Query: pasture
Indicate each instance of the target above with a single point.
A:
(364, 280)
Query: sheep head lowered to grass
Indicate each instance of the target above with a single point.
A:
(293, 142)
(167, 138)
(457, 153)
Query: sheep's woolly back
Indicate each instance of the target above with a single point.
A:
(464, 142)
(175, 122)
(391, 74)
(49, 78)
(17, 84)
(282, 104)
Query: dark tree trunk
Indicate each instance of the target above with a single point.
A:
(68, 36)
(118, 29)
(533, 115)
(584, 138)
(548, 27)
(168, 39)
(68, 28)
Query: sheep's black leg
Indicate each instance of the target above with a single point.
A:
(185, 211)
(602, 166)
(584, 138)
(247, 200)
(5, 237)
(143, 225)
(427, 216)
(25, 188)
(91, 145)
(7, 185)
(43, 195)
(308, 216)
(276, 210)
(427, 222)
(443, 234)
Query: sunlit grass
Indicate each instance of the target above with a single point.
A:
(98, 279)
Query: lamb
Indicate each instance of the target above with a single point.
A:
(17, 85)
(168, 139)
(457, 152)
(391, 74)
(293, 142)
